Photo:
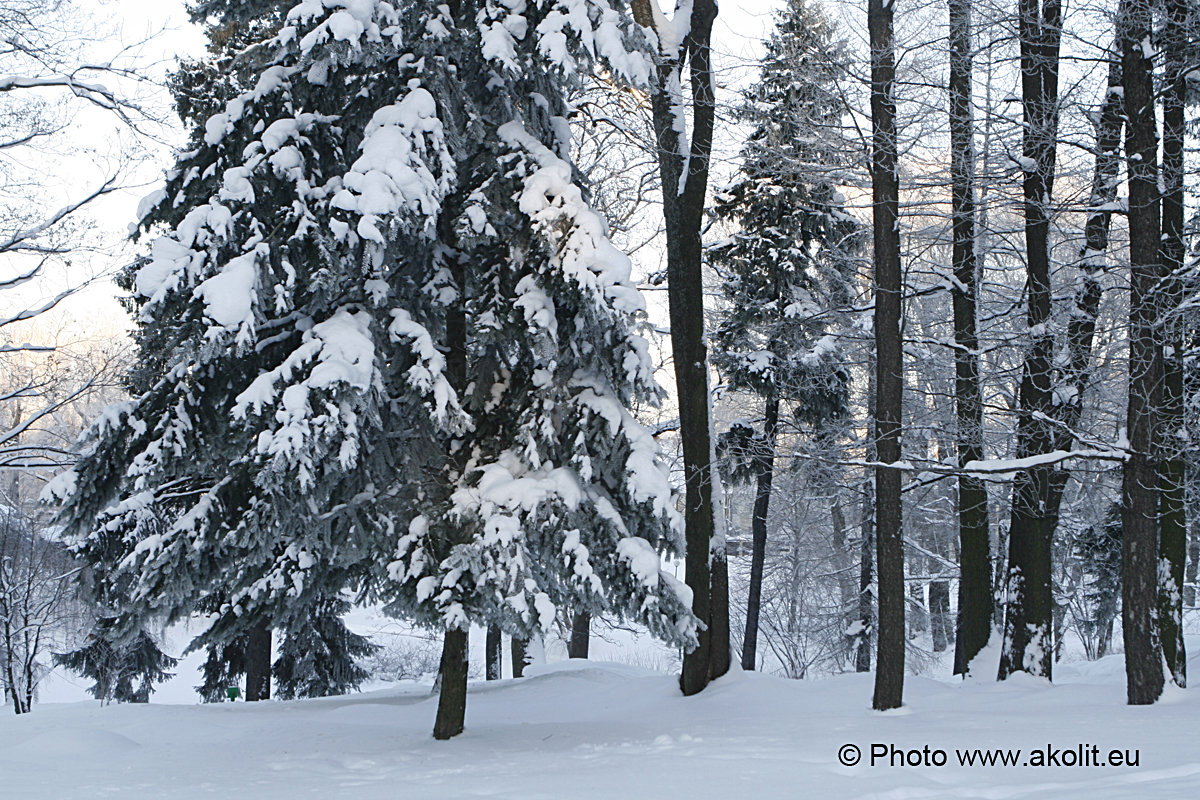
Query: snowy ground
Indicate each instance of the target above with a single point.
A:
(600, 730)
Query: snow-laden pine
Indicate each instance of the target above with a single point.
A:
(384, 342)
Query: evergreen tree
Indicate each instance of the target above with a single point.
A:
(318, 654)
(124, 672)
(385, 344)
(787, 269)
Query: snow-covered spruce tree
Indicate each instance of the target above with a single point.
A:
(785, 272)
(385, 344)
(123, 672)
(553, 493)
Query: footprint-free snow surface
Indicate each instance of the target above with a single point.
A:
(594, 730)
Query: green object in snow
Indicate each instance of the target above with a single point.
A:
(233, 692)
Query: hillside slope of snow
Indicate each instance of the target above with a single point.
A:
(599, 730)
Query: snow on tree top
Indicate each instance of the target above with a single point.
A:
(393, 175)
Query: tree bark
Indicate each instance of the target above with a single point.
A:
(889, 666)
(758, 530)
(683, 169)
(975, 565)
(493, 654)
(258, 663)
(1029, 621)
(1139, 485)
(452, 699)
(581, 634)
(518, 657)
(1172, 514)
(452, 694)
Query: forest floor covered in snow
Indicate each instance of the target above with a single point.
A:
(582, 729)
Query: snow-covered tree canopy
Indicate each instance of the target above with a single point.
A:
(390, 198)
(787, 268)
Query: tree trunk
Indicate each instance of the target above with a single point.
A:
(721, 653)
(452, 675)
(1139, 486)
(866, 563)
(581, 634)
(939, 615)
(493, 654)
(13, 690)
(1172, 515)
(1029, 621)
(844, 565)
(758, 529)
(1192, 573)
(889, 666)
(1105, 640)
(683, 170)
(1067, 397)
(917, 615)
(975, 566)
(452, 699)
(258, 663)
(518, 657)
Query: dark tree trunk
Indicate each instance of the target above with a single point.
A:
(683, 170)
(519, 657)
(12, 690)
(1072, 380)
(258, 663)
(1029, 619)
(452, 699)
(1172, 515)
(581, 635)
(493, 654)
(721, 654)
(975, 564)
(889, 663)
(452, 694)
(1139, 486)
(758, 530)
